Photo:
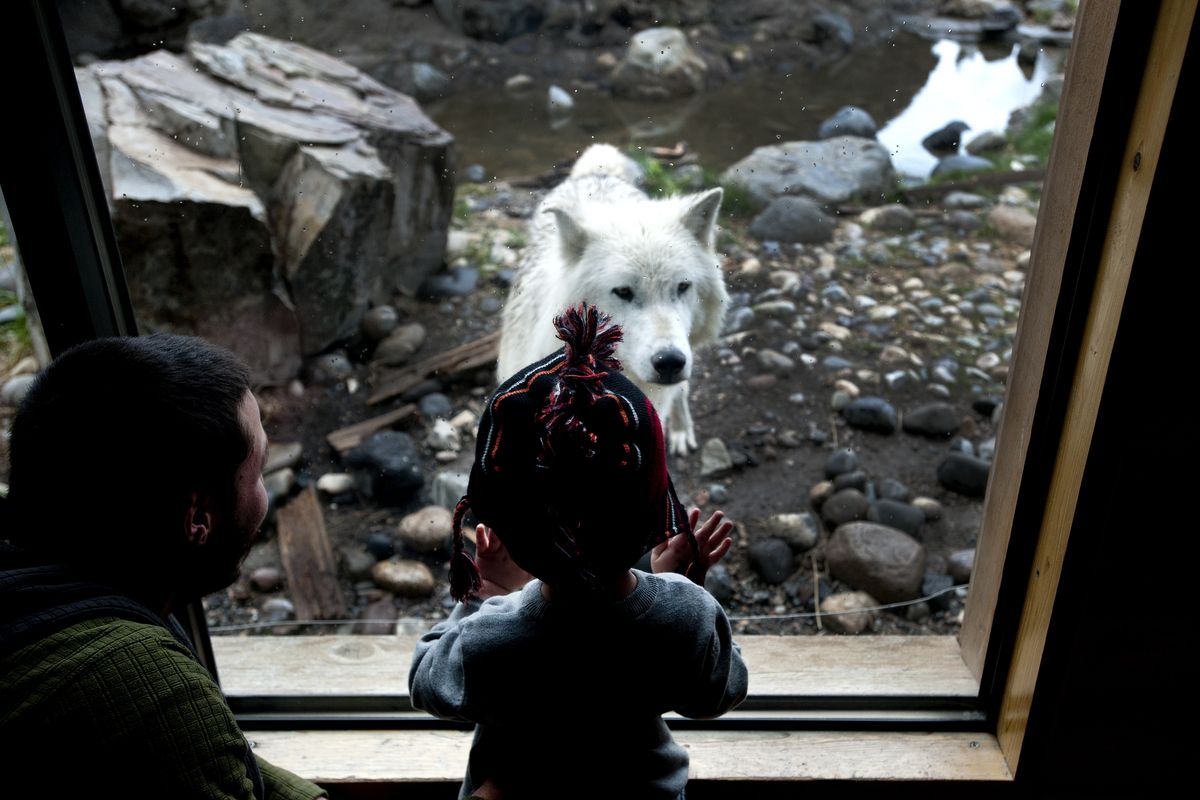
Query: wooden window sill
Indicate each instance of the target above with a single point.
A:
(408, 756)
(265, 667)
(374, 669)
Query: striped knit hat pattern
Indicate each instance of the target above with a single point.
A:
(570, 466)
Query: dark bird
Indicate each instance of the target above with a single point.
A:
(945, 140)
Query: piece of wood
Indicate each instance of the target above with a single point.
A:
(331, 757)
(1075, 130)
(980, 181)
(352, 436)
(308, 559)
(780, 666)
(1121, 238)
(472, 355)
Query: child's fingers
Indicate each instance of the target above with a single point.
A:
(693, 517)
(718, 552)
(710, 526)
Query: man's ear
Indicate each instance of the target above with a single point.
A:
(198, 522)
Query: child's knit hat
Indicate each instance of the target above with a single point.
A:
(570, 466)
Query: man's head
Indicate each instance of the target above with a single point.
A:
(570, 466)
(140, 459)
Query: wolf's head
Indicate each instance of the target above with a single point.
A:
(651, 265)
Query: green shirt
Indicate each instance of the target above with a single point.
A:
(121, 708)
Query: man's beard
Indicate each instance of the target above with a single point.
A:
(217, 563)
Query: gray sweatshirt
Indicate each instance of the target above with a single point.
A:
(567, 697)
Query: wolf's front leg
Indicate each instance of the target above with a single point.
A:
(681, 433)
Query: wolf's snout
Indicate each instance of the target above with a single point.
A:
(668, 365)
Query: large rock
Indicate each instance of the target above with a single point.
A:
(122, 26)
(491, 20)
(848, 612)
(871, 414)
(884, 562)
(427, 530)
(793, 219)
(832, 171)
(964, 474)
(658, 64)
(848, 121)
(390, 466)
(939, 420)
(403, 577)
(244, 168)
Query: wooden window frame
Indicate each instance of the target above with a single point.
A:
(926, 710)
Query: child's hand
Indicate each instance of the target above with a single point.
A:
(498, 573)
(675, 554)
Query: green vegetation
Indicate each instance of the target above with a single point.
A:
(462, 209)
(660, 179)
(657, 178)
(738, 202)
(1037, 131)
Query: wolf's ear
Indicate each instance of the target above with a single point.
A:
(700, 218)
(571, 236)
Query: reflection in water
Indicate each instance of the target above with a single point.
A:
(910, 88)
(965, 86)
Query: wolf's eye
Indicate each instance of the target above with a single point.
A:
(624, 292)
(683, 287)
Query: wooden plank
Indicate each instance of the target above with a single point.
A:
(308, 559)
(408, 756)
(1134, 184)
(352, 436)
(814, 666)
(472, 355)
(1074, 129)
(981, 181)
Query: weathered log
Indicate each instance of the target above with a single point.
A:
(308, 559)
(352, 436)
(980, 181)
(464, 358)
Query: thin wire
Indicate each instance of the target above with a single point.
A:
(808, 614)
(426, 622)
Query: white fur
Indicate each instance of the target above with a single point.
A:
(597, 232)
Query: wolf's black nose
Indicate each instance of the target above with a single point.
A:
(669, 364)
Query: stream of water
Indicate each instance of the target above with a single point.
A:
(910, 85)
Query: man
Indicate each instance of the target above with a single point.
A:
(135, 485)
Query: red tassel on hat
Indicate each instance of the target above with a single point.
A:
(464, 575)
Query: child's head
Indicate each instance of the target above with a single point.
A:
(570, 466)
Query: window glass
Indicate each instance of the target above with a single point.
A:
(346, 196)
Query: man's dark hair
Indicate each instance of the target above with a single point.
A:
(110, 442)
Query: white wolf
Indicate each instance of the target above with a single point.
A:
(649, 263)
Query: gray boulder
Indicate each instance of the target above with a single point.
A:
(898, 515)
(266, 194)
(793, 219)
(490, 20)
(831, 171)
(871, 414)
(658, 64)
(961, 165)
(845, 506)
(964, 474)
(772, 559)
(848, 121)
(884, 562)
(939, 420)
(389, 464)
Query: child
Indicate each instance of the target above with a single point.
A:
(567, 679)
